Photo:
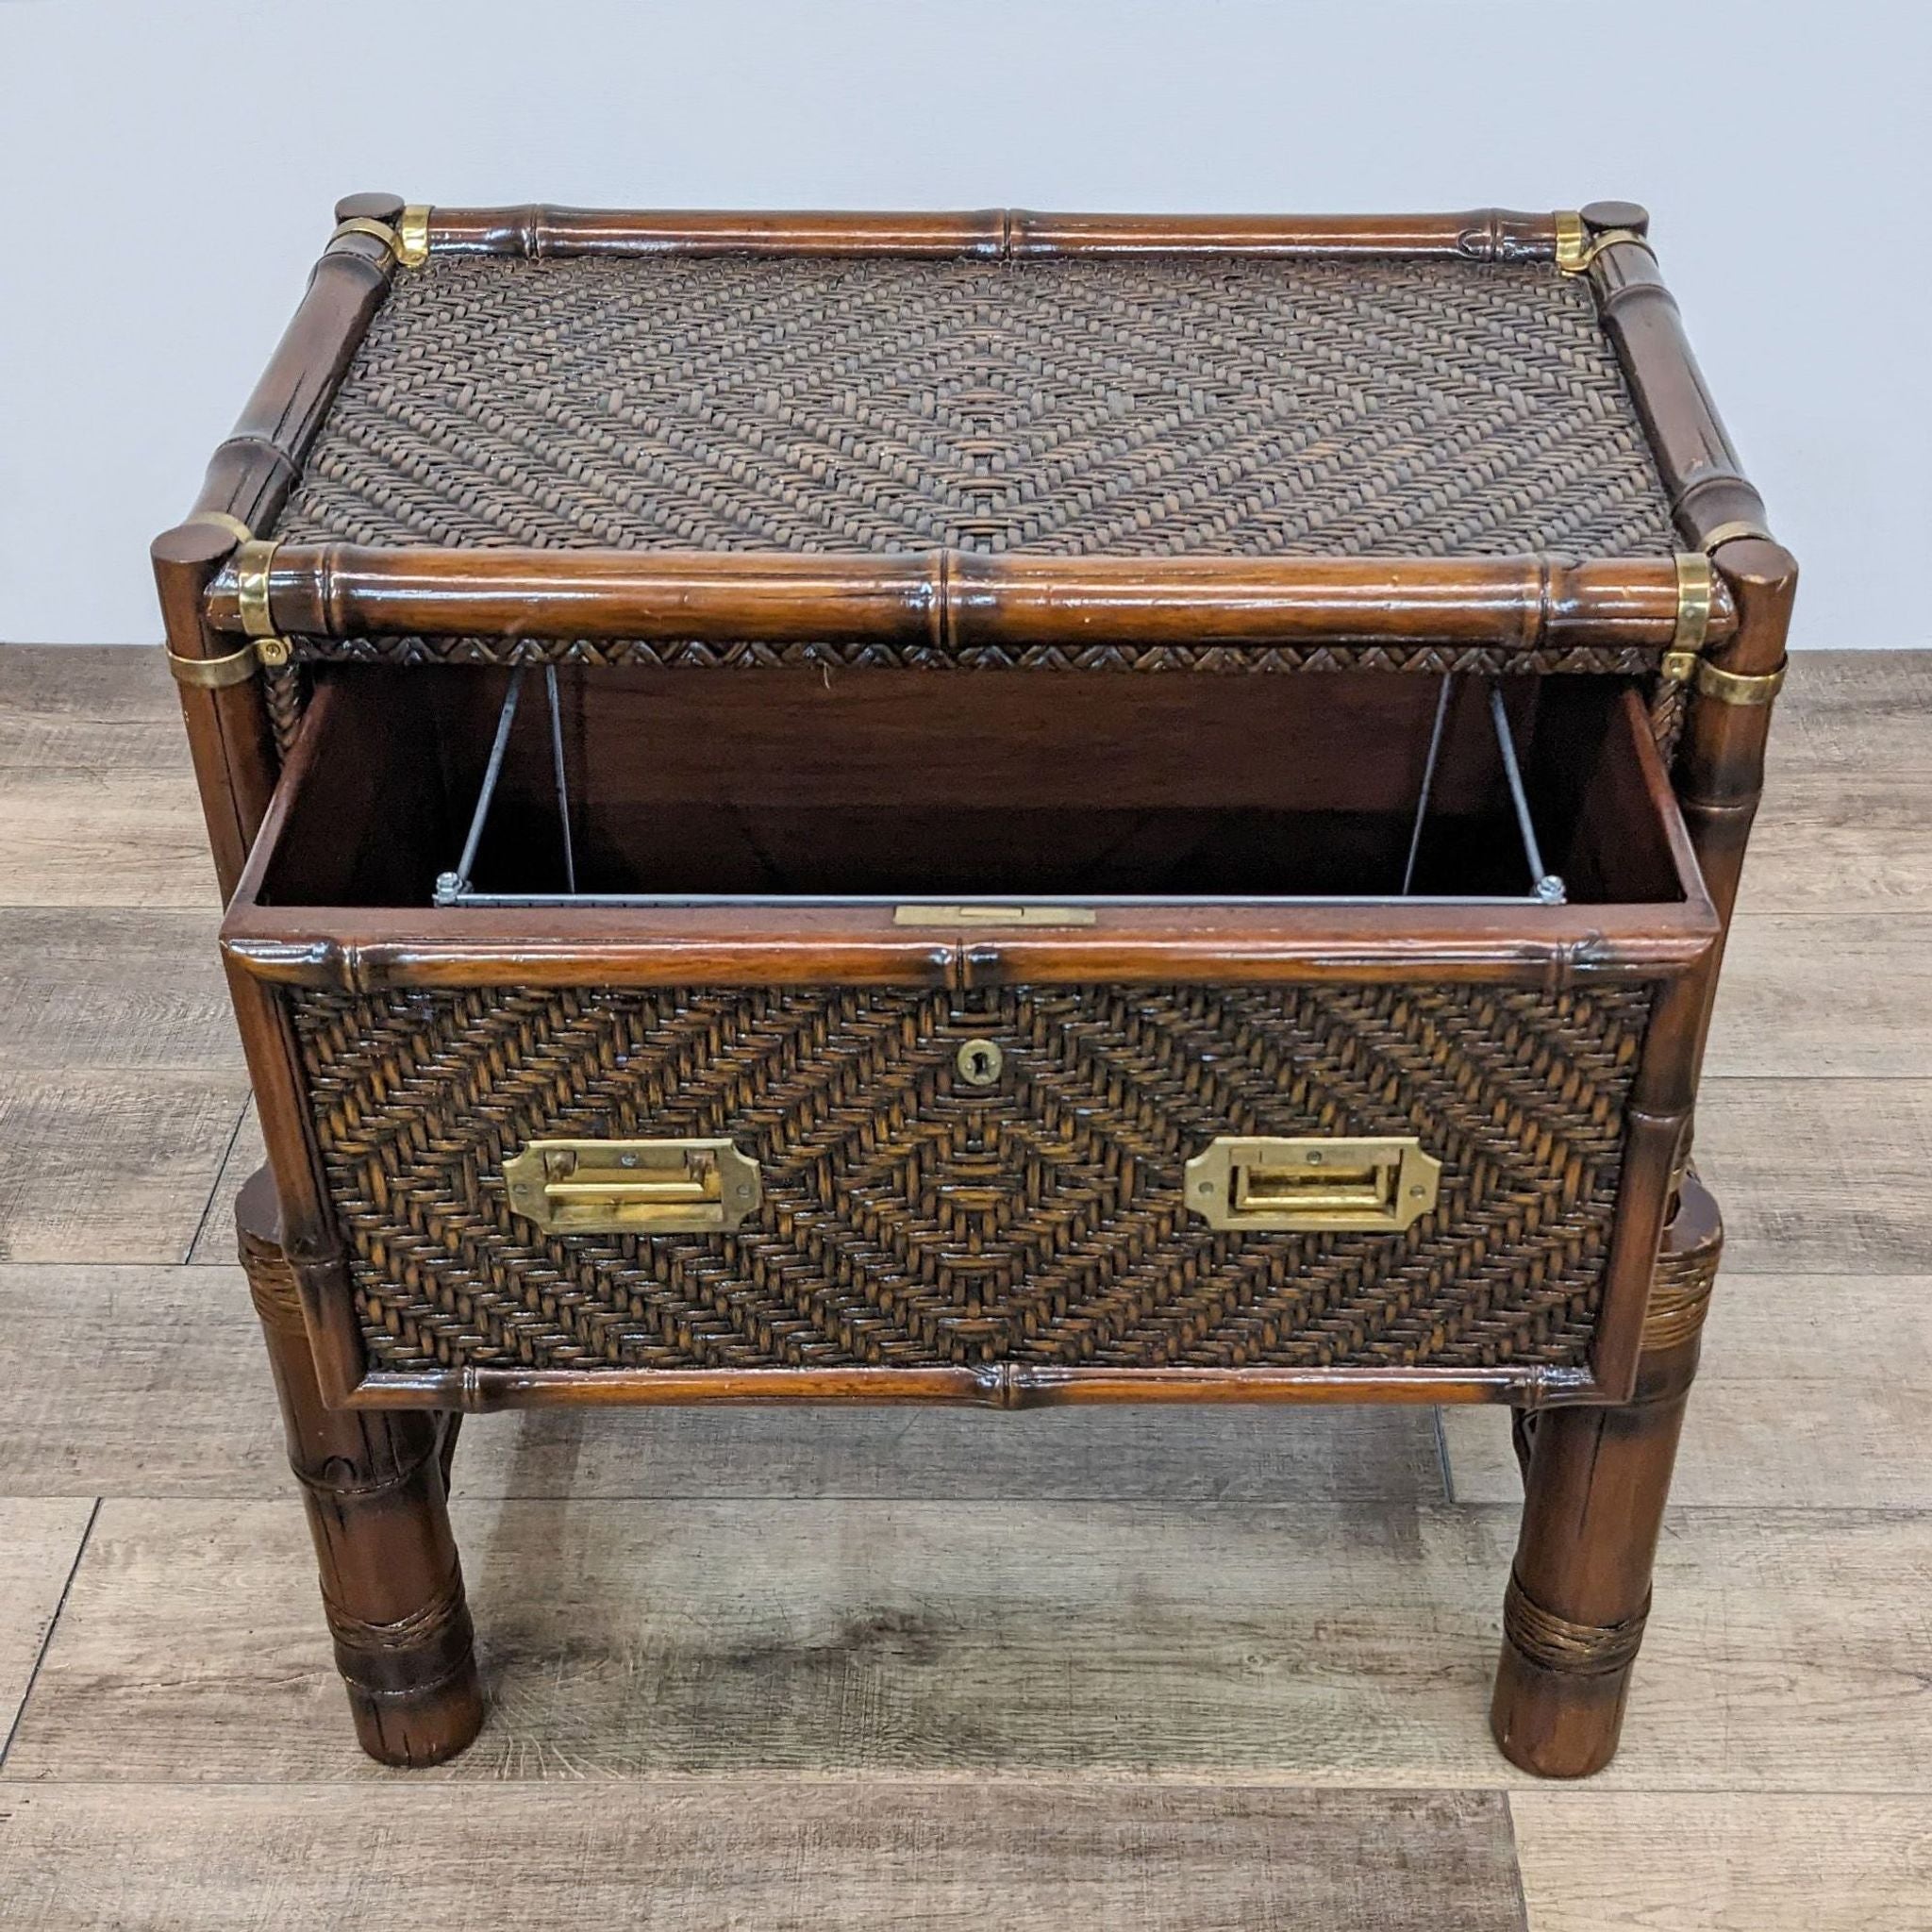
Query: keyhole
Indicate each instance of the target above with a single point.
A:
(980, 1062)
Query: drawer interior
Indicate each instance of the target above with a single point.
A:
(466, 786)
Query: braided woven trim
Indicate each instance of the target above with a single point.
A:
(288, 686)
(271, 1285)
(1555, 1644)
(1680, 1293)
(1227, 659)
(1669, 707)
(285, 691)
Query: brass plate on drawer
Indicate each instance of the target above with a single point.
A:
(633, 1187)
(1313, 1185)
(974, 913)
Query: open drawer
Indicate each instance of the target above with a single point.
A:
(647, 1034)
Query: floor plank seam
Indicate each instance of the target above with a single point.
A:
(1190, 1506)
(214, 1191)
(33, 1675)
(1596, 1791)
(1445, 1469)
(1721, 1079)
(1516, 1878)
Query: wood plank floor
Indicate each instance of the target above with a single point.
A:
(1131, 1668)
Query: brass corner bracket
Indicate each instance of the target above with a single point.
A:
(1726, 686)
(222, 521)
(212, 674)
(1696, 587)
(1732, 532)
(1577, 245)
(413, 235)
(1696, 591)
(1738, 687)
(1685, 662)
(406, 243)
(376, 231)
(252, 562)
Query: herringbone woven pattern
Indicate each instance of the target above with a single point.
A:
(1155, 405)
(1483, 661)
(912, 1218)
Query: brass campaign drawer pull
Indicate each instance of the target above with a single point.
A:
(1313, 1185)
(633, 1187)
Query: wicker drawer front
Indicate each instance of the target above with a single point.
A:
(912, 1218)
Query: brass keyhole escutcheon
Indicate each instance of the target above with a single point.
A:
(980, 1062)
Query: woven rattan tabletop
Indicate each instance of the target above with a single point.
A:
(1157, 405)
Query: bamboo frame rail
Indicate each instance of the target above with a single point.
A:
(230, 733)
(541, 232)
(997, 1385)
(252, 470)
(947, 598)
(1720, 775)
(1709, 494)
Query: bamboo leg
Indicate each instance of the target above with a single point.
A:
(1597, 1481)
(373, 1483)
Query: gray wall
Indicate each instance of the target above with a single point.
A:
(169, 170)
